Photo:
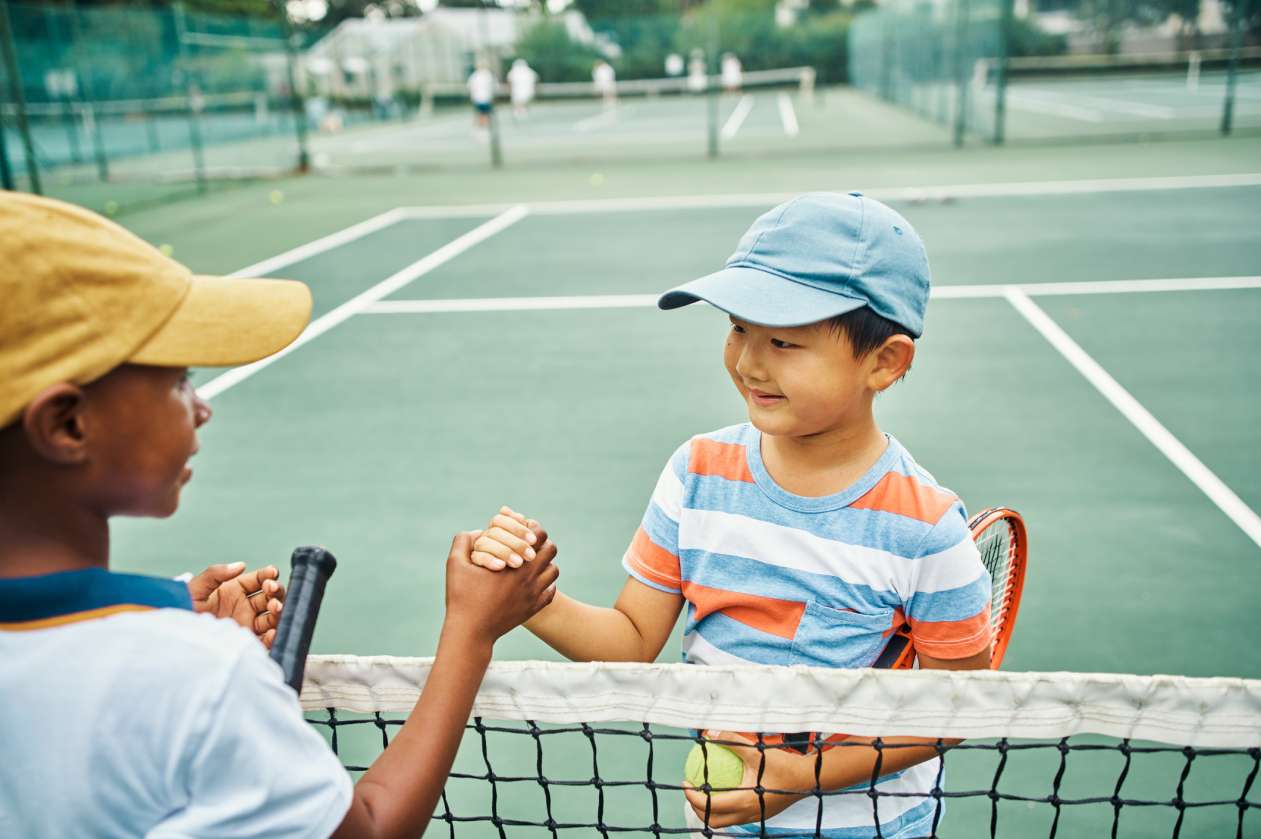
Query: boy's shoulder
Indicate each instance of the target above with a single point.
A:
(723, 447)
(910, 493)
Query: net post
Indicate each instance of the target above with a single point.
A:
(483, 28)
(19, 100)
(296, 102)
(1000, 76)
(1232, 66)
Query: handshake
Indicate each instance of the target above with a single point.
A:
(510, 541)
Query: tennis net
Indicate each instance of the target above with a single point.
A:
(598, 749)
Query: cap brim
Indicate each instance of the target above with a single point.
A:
(761, 297)
(223, 322)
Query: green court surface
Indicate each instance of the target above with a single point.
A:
(525, 365)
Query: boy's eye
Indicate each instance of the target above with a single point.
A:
(735, 327)
(782, 345)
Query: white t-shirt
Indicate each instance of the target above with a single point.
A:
(481, 87)
(603, 76)
(521, 79)
(154, 722)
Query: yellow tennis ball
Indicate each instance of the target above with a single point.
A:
(726, 769)
(596, 179)
(111, 208)
(276, 196)
(166, 249)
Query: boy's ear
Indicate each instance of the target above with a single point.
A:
(54, 424)
(892, 360)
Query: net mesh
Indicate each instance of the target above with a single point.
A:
(598, 749)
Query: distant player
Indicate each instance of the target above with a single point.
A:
(481, 92)
(697, 72)
(521, 83)
(604, 80)
(732, 73)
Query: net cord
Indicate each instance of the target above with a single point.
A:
(1185, 711)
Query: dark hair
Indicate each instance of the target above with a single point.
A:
(865, 330)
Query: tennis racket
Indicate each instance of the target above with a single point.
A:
(310, 569)
(999, 534)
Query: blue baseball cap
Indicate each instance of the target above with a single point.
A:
(820, 255)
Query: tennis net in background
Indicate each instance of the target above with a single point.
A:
(598, 749)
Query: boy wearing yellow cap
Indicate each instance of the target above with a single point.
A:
(127, 713)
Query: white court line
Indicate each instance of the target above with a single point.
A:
(738, 115)
(1107, 103)
(608, 116)
(327, 243)
(888, 193)
(1037, 105)
(388, 286)
(787, 116)
(956, 292)
(1191, 466)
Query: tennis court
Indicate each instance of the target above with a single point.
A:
(1090, 360)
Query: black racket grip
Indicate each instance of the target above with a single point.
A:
(312, 566)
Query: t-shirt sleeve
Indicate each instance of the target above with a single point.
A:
(259, 769)
(949, 605)
(653, 555)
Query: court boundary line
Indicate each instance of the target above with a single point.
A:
(1162, 438)
(944, 192)
(960, 292)
(323, 244)
(353, 306)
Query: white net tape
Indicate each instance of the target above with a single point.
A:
(1180, 710)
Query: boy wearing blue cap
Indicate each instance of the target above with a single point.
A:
(806, 535)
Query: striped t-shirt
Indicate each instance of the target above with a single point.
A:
(770, 577)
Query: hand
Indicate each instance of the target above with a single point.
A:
(253, 600)
(784, 770)
(508, 540)
(487, 605)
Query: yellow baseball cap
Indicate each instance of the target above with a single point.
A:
(79, 296)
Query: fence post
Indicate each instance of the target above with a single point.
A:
(195, 98)
(85, 83)
(961, 71)
(19, 100)
(296, 101)
(1232, 68)
(712, 68)
(1000, 81)
(6, 173)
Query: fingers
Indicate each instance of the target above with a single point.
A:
(269, 618)
(201, 586)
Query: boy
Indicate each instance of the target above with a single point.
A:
(806, 536)
(125, 713)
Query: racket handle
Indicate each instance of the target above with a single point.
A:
(311, 568)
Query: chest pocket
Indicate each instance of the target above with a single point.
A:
(828, 637)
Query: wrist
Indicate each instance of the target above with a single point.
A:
(465, 639)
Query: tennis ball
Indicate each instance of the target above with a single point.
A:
(597, 179)
(166, 249)
(726, 769)
(276, 196)
(111, 208)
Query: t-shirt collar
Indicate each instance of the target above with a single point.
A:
(50, 600)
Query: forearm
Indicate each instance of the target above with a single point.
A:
(397, 795)
(855, 761)
(582, 632)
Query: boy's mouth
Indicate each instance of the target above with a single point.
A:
(765, 399)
